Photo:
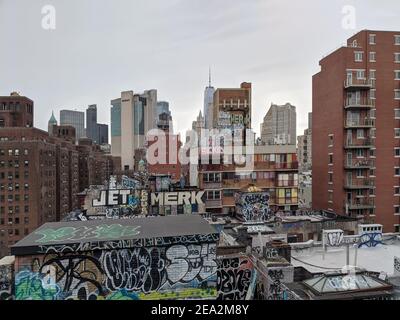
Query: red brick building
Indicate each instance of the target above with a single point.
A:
(16, 111)
(356, 129)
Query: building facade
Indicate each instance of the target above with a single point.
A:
(304, 147)
(75, 119)
(132, 117)
(95, 131)
(279, 125)
(356, 135)
(16, 111)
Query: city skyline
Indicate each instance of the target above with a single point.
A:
(200, 45)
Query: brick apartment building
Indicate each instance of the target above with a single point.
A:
(41, 174)
(275, 170)
(356, 129)
(16, 111)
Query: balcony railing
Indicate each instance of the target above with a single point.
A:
(359, 164)
(354, 144)
(360, 204)
(360, 184)
(359, 104)
(364, 123)
(355, 83)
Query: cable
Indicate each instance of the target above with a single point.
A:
(312, 265)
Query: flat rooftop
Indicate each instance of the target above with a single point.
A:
(150, 230)
(378, 259)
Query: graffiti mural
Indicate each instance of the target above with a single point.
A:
(81, 233)
(396, 266)
(6, 278)
(180, 271)
(234, 277)
(370, 240)
(333, 238)
(252, 206)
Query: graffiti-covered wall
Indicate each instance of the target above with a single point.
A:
(234, 277)
(6, 281)
(252, 206)
(103, 260)
(179, 271)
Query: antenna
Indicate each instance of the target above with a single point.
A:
(209, 76)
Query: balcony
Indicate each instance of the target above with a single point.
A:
(358, 84)
(364, 123)
(359, 204)
(359, 144)
(359, 164)
(212, 185)
(359, 184)
(213, 203)
(359, 104)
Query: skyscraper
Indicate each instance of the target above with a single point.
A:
(208, 104)
(52, 122)
(279, 125)
(98, 133)
(75, 119)
(356, 131)
(132, 116)
(91, 123)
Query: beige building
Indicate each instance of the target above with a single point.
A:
(132, 116)
(279, 125)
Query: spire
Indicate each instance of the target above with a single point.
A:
(52, 118)
(209, 76)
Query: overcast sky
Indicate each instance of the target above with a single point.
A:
(101, 47)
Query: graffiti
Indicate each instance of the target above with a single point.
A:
(163, 272)
(130, 243)
(82, 233)
(252, 206)
(6, 275)
(233, 278)
(190, 262)
(138, 270)
(396, 265)
(129, 183)
(271, 253)
(72, 271)
(333, 238)
(275, 291)
(370, 239)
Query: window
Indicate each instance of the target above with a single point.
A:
(397, 171)
(358, 56)
(330, 140)
(397, 152)
(330, 196)
(397, 209)
(372, 39)
(396, 74)
(397, 57)
(331, 157)
(372, 153)
(397, 191)
(372, 74)
(397, 113)
(330, 176)
(397, 132)
(372, 94)
(397, 94)
(397, 40)
(372, 57)
(360, 173)
(360, 74)
(360, 133)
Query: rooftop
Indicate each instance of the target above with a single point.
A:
(75, 234)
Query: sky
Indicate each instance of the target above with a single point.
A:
(101, 47)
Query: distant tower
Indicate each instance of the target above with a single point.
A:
(52, 122)
(208, 103)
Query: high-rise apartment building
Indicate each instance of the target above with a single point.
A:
(356, 129)
(16, 111)
(132, 116)
(304, 147)
(75, 119)
(279, 125)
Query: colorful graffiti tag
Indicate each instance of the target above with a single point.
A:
(182, 271)
(252, 206)
(234, 276)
